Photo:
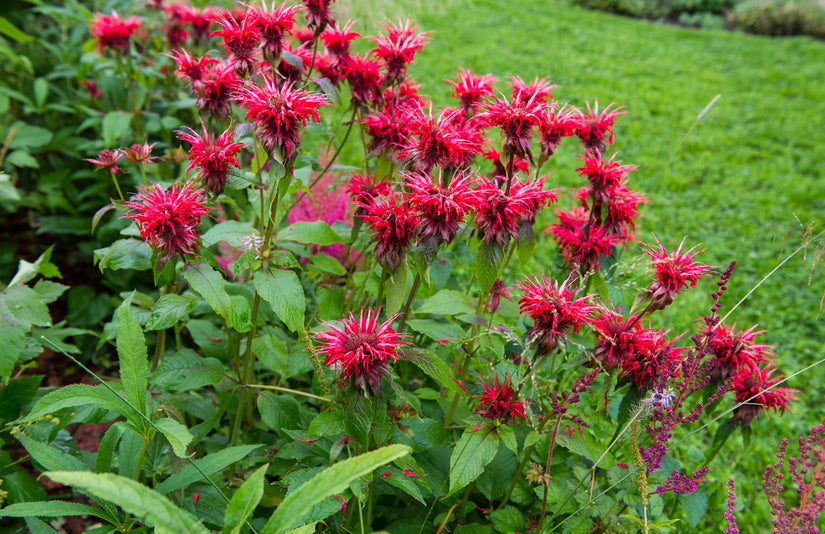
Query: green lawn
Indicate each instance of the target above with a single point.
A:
(742, 182)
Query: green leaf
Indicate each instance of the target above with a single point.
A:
(283, 291)
(327, 424)
(115, 125)
(488, 259)
(9, 197)
(169, 309)
(233, 232)
(108, 443)
(244, 501)
(448, 302)
(398, 289)
(40, 88)
(330, 481)
(81, 395)
(470, 456)
(99, 215)
(240, 313)
(209, 464)
(508, 437)
(42, 265)
(27, 136)
(49, 509)
(21, 158)
(360, 418)
(26, 305)
(132, 355)
(49, 291)
(311, 233)
(526, 243)
(150, 506)
(17, 393)
(13, 32)
(436, 330)
(178, 435)
(435, 368)
(278, 411)
(404, 482)
(328, 264)
(124, 254)
(186, 370)
(51, 458)
(12, 341)
(695, 506)
(209, 284)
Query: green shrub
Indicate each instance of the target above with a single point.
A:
(780, 17)
(657, 9)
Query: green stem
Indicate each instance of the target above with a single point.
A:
(469, 348)
(160, 349)
(117, 186)
(143, 173)
(139, 468)
(409, 302)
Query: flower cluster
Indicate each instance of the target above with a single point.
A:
(113, 32)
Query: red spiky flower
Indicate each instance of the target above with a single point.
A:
(168, 219)
(393, 224)
(199, 20)
(360, 349)
(192, 69)
(673, 271)
(140, 153)
(499, 401)
(337, 40)
(441, 208)
(618, 337)
(216, 89)
(387, 132)
(594, 126)
(273, 25)
(555, 310)
(735, 350)
(539, 90)
(113, 32)
(240, 38)
(498, 215)
(364, 188)
(279, 112)
(755, 386)
(364, 77)
(583, 244)
(318, 14)
(398, 48)
(603, 175)
(471, 89)
(516, 120)
(559, 123)
(437, 140)
(212, 155)
(653, 355)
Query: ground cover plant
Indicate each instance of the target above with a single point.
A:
(336, 268)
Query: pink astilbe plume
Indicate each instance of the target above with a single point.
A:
(113, 32)
(393, 224)
(168, 219)
(673, 271)
(273, 24)
(555, 310)
(516, 119)
(595, 127)
(441, 208)
(279, 112)
(212, 155)
(361, 348)
(471, 89)
(755, 386)
(398, 48)
(240, 38)
(499, 401)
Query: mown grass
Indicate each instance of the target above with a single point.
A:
(746, 182)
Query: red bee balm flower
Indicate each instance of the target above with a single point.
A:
(755, 386)
(471, 88)
(393, 225)
(554, 309)
(398, 48)
(361, 348)
(442, 209)
(113, 32)
(212, 155)
(273, 24)
(279, 112)
(674, 272)
(516, 120)
(168, 219)
(595, 126)
(498, 401)
(735, 350)
(240, 38)
(651, 356)
(317, 13)
(337, 40)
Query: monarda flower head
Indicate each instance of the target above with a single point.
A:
(364, 77)
(113, 32)
(216, 90)
(168, 219)
(364, 188)
(360, 349)
(386, 132)
(594, 127)
(617, 337)
(516, 120)
(337, 40)
(240, 38)
(555, 310)
(192, 69)
(441, 208)
(140, 153)
(435, 141)
(673, 272)
(107, 159)
(583, 244)
(557, 124)
(653, 356)
(212, 155)
(273, 24)
(398, 48)
(199, 21)
(279, 112)
(735, 350)
(471, 89)
(393, 225)
(539, 90)
(603, 175)
(499, 401)
(498, 215)
(318, 14)
(622, 210)
(756, 387)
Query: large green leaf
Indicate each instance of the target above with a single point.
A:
(488, 260)
(148, 505)
(169, 309)
(398, 289)
(330, 481)
(244, 501)
(448, 302)
(435, 368)
(49, 509)
(178, 435)
(283, 291)
(209, 464)
(51, 458)
(210, 285)
(186, 370)
(115, 125)
(42, 265)
(476, 448)
(311, 233)
(124, 254)
(81, 395)
(233, 232)
(13, 32)
(26, 305)
(132, 355)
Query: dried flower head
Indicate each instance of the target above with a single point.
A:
(107, 159)
(140, 153)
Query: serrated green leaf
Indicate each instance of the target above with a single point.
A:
(328, 264)
(210, 285)
(240, 313)
(488, 260)
(49, 509)
(209, 464)
(124, 254)
(21, 158)
(26, 305)
(448, 302)
(695, 506)
(278, 411)
(51, 458)
(150, 506)
(404, 482)
(233, 232)
(471, 454)
(81, 395)
(435, 368)
(283, 291)
(132, 355)
(49, 291)
(508, 437)
(108, 443)
(436, 330)
(178, 435)
(311, 233)
(327, 424)
(169, 309)
(328, 482)
(186, 370)
(244, 501)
